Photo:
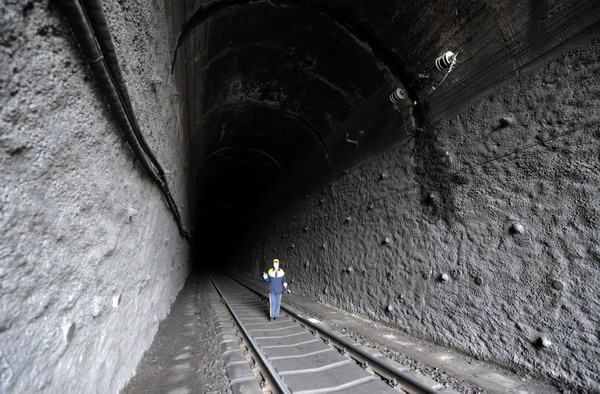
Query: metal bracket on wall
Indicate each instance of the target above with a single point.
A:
(355, 139)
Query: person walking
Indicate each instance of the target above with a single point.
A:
(277, 284)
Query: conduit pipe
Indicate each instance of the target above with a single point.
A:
(89, 26)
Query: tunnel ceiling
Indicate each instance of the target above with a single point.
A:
(284, 95)
(282, 98)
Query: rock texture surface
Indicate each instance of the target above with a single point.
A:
(90, 256)
(480, 233)
(461, 235)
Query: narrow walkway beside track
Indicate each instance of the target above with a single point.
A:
(185, 356)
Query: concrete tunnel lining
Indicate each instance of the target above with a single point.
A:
(301, 234)
(509, 141)
(353, 27)
(274, 92)
(285, 113)
(296, 147)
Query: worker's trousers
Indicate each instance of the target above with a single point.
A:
(274, 303)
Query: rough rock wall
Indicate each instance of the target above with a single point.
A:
(90, 256)
(481, 234)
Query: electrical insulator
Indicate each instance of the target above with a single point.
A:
(397, 96)
(444, 61)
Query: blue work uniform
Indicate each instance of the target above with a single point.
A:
(275, 279)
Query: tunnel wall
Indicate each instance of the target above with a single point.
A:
(501, 199)
(90, 256)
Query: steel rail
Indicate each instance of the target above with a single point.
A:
(378, 366)
(274, 376)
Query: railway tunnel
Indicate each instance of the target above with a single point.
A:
(431, 166)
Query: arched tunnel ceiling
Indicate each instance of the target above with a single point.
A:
(283, 95)
(283, 99)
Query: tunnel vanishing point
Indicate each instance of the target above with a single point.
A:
(454, 196)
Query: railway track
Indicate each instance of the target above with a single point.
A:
(296, 354)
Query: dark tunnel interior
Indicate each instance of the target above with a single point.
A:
(427, 166)
(287, 97)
